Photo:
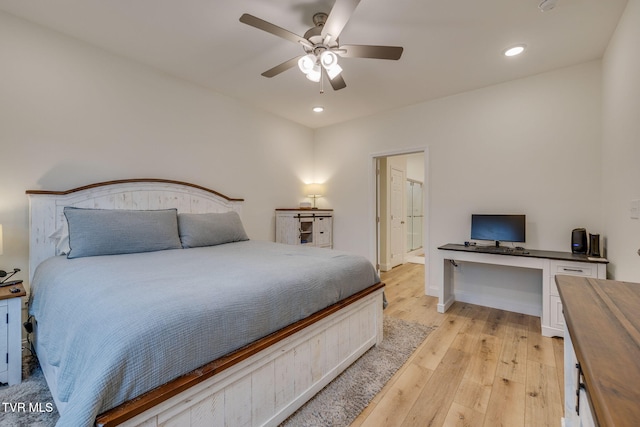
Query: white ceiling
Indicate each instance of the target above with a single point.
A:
(450, 46)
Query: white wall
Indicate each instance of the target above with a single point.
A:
(415, 167)
(72, 114)
(531, 145)
(621, 145)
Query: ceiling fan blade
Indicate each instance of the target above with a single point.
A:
(337, 82)
(365, 51)
(282, 67)
(338, 18)
(263, 25)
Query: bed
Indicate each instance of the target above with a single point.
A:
(210, 330)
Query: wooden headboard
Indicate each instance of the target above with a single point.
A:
(46, 207)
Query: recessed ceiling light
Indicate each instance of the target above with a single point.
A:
(547, 5)
(514, 50)
(318, 109)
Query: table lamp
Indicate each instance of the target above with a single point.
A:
(314, 191)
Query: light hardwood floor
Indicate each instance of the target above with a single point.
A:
(478, 367)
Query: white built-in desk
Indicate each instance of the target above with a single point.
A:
(549, 262)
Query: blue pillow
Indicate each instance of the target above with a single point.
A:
(210, 229)
(94, 232)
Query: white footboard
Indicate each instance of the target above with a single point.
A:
(266, 388)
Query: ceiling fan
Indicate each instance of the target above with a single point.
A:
(321, 45)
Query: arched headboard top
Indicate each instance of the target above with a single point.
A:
(128, 182)
(46, 216)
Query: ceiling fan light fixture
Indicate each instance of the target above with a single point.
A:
(328, 59)
(318, 109)
(315, 74)
(307, 63)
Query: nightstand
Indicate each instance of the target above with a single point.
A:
(311, 227)
(11, 334)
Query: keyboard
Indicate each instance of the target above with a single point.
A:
(495, 249)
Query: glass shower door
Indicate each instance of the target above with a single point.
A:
(414, 215)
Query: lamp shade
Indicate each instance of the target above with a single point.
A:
(314, 190)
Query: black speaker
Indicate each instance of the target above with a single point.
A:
(594, 245)
(579, 241)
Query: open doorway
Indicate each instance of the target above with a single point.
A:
(401, 190)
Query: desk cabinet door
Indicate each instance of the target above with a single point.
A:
(586, 416)
(555, 309)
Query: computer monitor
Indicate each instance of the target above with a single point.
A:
(498, 227)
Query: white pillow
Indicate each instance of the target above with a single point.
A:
(61, 239)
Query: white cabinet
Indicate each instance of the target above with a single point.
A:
(11, 335)
(577, 410)
(552, 306)
(601, 344)
(313, 227)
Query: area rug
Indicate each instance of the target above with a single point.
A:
(338, 404)
(342, 400)
(28, 403)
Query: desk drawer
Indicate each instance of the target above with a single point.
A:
(585, 269)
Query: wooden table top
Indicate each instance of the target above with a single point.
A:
(603, 318)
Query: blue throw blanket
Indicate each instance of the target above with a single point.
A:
(117, 326)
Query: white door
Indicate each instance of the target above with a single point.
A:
(397, 222)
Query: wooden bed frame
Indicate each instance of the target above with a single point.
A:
(261, 384)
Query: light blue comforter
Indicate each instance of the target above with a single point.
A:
(117, 326)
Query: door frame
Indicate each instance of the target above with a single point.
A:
(374, 207)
